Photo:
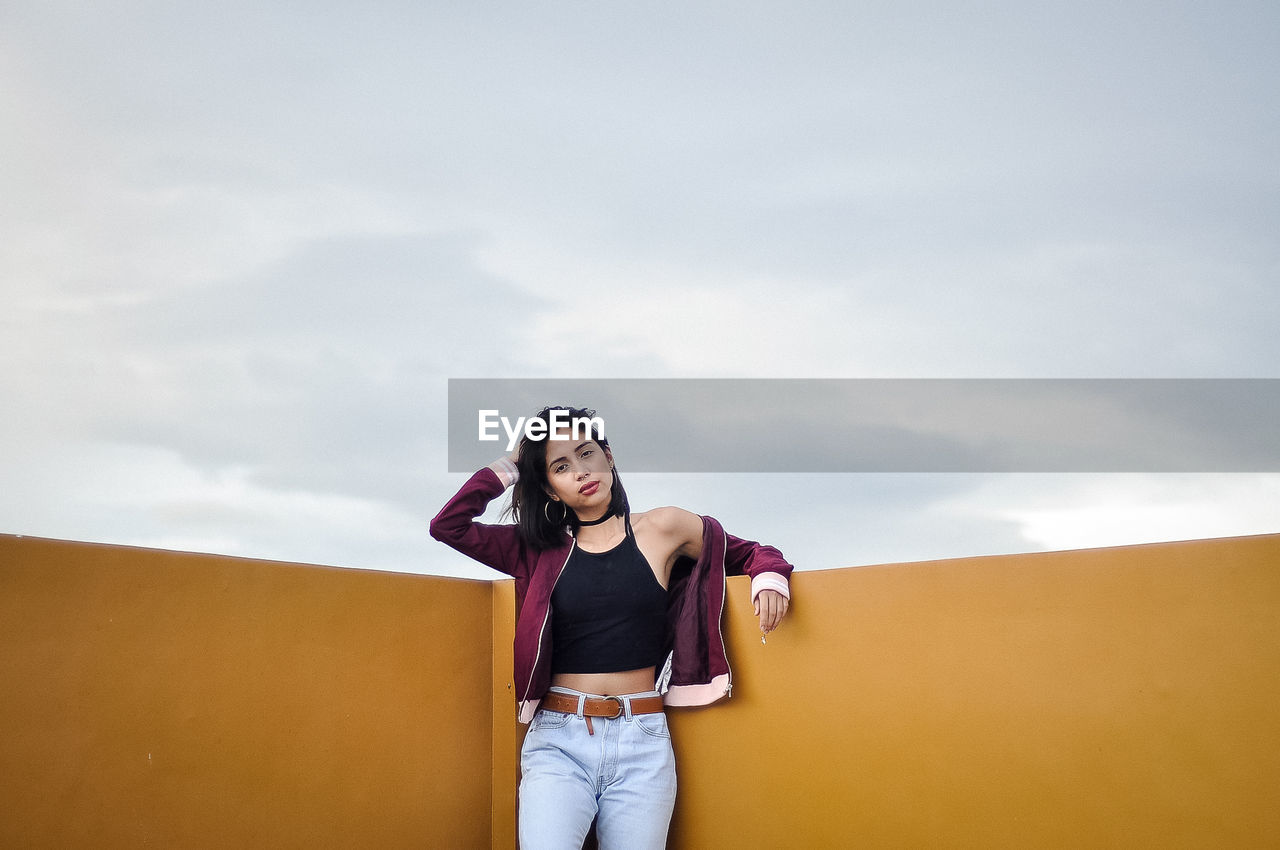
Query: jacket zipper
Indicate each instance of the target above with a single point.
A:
(545, 617)
(724, 593)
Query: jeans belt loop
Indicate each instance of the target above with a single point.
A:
(582, 702)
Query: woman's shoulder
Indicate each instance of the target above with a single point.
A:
(668, 520)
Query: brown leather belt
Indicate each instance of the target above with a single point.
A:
(600, 707)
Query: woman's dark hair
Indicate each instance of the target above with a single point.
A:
(542, 522)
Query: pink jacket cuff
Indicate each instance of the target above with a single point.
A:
(506, 471)
(770, 581)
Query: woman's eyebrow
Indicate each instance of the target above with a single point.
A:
(577, 449)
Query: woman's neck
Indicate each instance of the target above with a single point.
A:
(602, 537)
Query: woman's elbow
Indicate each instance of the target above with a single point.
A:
(441, 530)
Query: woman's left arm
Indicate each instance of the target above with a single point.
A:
(769, 571)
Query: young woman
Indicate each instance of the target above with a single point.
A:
(618, 614)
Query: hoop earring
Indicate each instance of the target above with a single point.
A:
(564, 512)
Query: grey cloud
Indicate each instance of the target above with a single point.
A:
(1012, 189)
(324, 371)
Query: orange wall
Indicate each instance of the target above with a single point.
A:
(1111, 697)
(1125, 697)
(170, 700)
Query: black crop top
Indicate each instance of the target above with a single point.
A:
(608, 611)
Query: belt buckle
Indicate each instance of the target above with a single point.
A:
(618, 713)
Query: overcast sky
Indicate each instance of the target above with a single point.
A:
(246, 244)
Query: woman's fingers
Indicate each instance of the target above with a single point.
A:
(771, 606)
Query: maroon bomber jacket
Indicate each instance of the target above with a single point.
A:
(698, 664)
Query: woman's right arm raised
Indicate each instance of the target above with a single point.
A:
(496, 546)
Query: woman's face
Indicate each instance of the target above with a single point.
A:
(580, 474)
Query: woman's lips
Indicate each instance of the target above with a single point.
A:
(589, 488)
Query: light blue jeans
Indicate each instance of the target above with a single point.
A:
(624, 776)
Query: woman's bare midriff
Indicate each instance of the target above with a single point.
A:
(608, 684)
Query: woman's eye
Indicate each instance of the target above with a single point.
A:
(587, 453)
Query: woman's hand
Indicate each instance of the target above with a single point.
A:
(508, 468)
(771, 606)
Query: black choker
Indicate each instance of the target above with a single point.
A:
(608, 515)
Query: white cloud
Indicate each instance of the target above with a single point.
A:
(1083, 511)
